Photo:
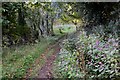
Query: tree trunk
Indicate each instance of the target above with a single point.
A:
(21, 20)
(52, 31)
(47, 24)
(40, 28)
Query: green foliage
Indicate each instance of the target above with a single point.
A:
(13, 25)
(92, 15)
(95, 14)
(100, 57)
(85, 57)
(66, 66)
(17, 35)
(110, 29)
(26, 22)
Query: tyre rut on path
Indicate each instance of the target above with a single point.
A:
(45, 71)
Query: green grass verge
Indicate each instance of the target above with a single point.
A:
(37, 67)
(65, 29)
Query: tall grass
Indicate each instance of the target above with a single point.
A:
(17, 61)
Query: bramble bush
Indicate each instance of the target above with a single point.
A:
(89, 57)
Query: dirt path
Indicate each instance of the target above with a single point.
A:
(45, 71)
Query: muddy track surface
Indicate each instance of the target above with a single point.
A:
(45, 71)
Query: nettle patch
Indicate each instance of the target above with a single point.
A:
(88, 57)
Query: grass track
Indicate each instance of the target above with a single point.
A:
(17, 61)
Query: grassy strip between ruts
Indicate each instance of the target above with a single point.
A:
(17, 62)
(33, 72)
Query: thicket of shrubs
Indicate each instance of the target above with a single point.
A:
(89, 57)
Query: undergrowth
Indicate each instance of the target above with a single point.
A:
(88, 57)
